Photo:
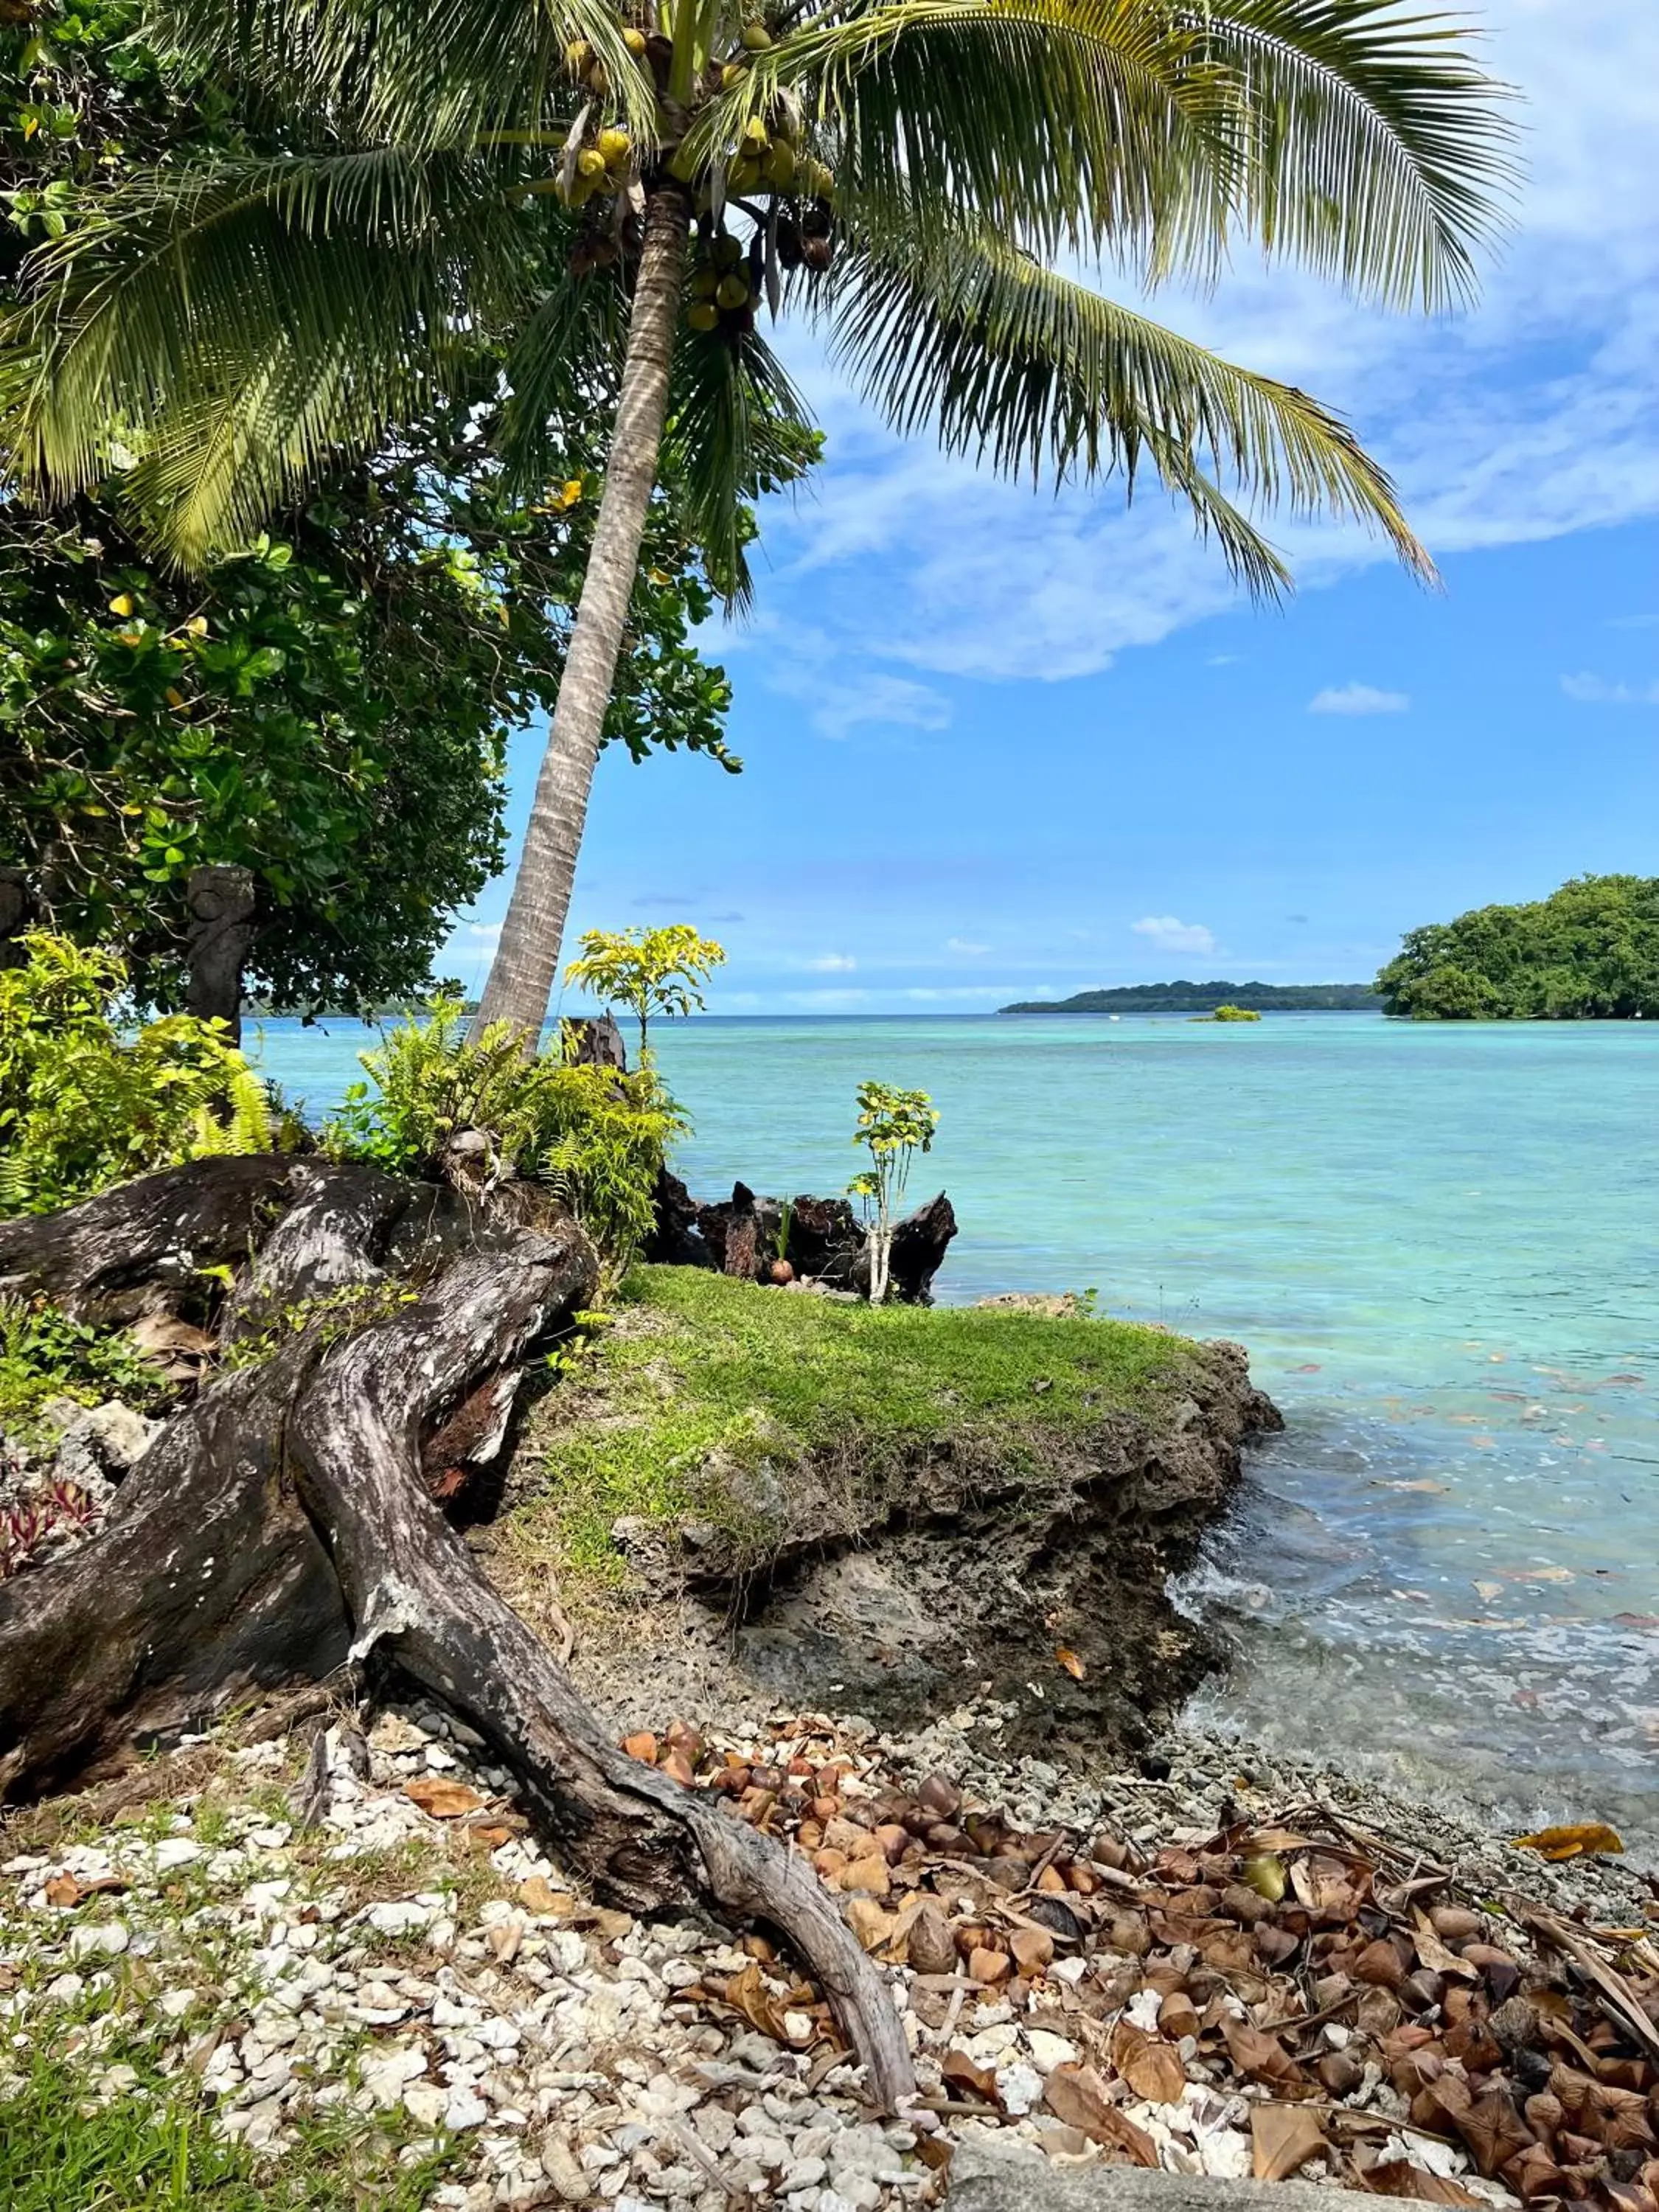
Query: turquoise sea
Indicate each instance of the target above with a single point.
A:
(1441, 1245)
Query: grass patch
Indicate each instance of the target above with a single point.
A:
(153, 2148)
(701, 1375)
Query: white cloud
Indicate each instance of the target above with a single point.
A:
(833, 964)
(1597, 691)
(1172, 936)
(1357, 699)
(964, 945)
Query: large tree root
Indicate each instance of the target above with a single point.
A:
(281, 1524)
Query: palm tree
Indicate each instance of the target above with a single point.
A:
(910, 175)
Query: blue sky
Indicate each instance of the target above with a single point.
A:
(1001, 744)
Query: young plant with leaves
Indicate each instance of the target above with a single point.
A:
(649, 972)
(910, 174)
(893, 1127)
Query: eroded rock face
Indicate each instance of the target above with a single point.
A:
(894, 1589)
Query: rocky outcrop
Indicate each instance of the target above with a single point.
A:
(886, 1581)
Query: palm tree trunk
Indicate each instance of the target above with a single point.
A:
(526, 963)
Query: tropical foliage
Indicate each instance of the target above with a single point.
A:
(893, 1127)
(87, 1099)
(1588, 952)
(325, 704)
(621, 197)
(596, 1138)
(649, 972)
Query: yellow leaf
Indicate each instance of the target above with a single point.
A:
(1070, 1662)
(125, 605)
(1571, 1842)
(570, 495)
(31, 127)
(197, 626)
(175, 697)
(1265, 1874)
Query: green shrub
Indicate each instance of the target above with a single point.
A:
(45, 1353)
(597, 1138)
(89, 1097)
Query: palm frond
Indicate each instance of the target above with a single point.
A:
(1009, 363)
(416, 73)
(1373, 147)
(733, 423)
(1061, 120)
(1366, 142)
(572, 339)
(237, 325)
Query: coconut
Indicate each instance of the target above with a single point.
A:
(779, 168)
(702, 315)
(757, 38)
(733, 293)
(727, 251)
(745, 175)
(599, 81)
(635, 42)
(579, 58)
(756, 139)
(705, 283)
(732, 73)
(614, 147)
(589, 163)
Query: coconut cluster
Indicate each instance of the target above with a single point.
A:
(771, 163)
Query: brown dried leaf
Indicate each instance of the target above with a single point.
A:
(1152, 2068)
(1070, 1662)
(1263, 2057)
(959, 2073)
(1398, 2177)
(1077, 2095)
(63, 1889)
(442, 1798)
(539, 1895)
(1494, 2132)
(747, 1994)
(1282, 2138)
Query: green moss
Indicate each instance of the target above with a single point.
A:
(703, 1378)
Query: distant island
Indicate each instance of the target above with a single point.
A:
(1588, 952)
(1206, 998)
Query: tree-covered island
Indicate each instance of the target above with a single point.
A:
(1588, 952)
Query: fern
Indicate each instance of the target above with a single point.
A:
(596, 1138)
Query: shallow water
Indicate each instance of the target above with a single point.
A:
(1441, 1247)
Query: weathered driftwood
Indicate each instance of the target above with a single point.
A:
(285, 1521)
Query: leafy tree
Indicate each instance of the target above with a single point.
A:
(893, 1126)
(649, 972)
(327, 706)
(87, 1099)
(626, 194)
(1588, 951)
